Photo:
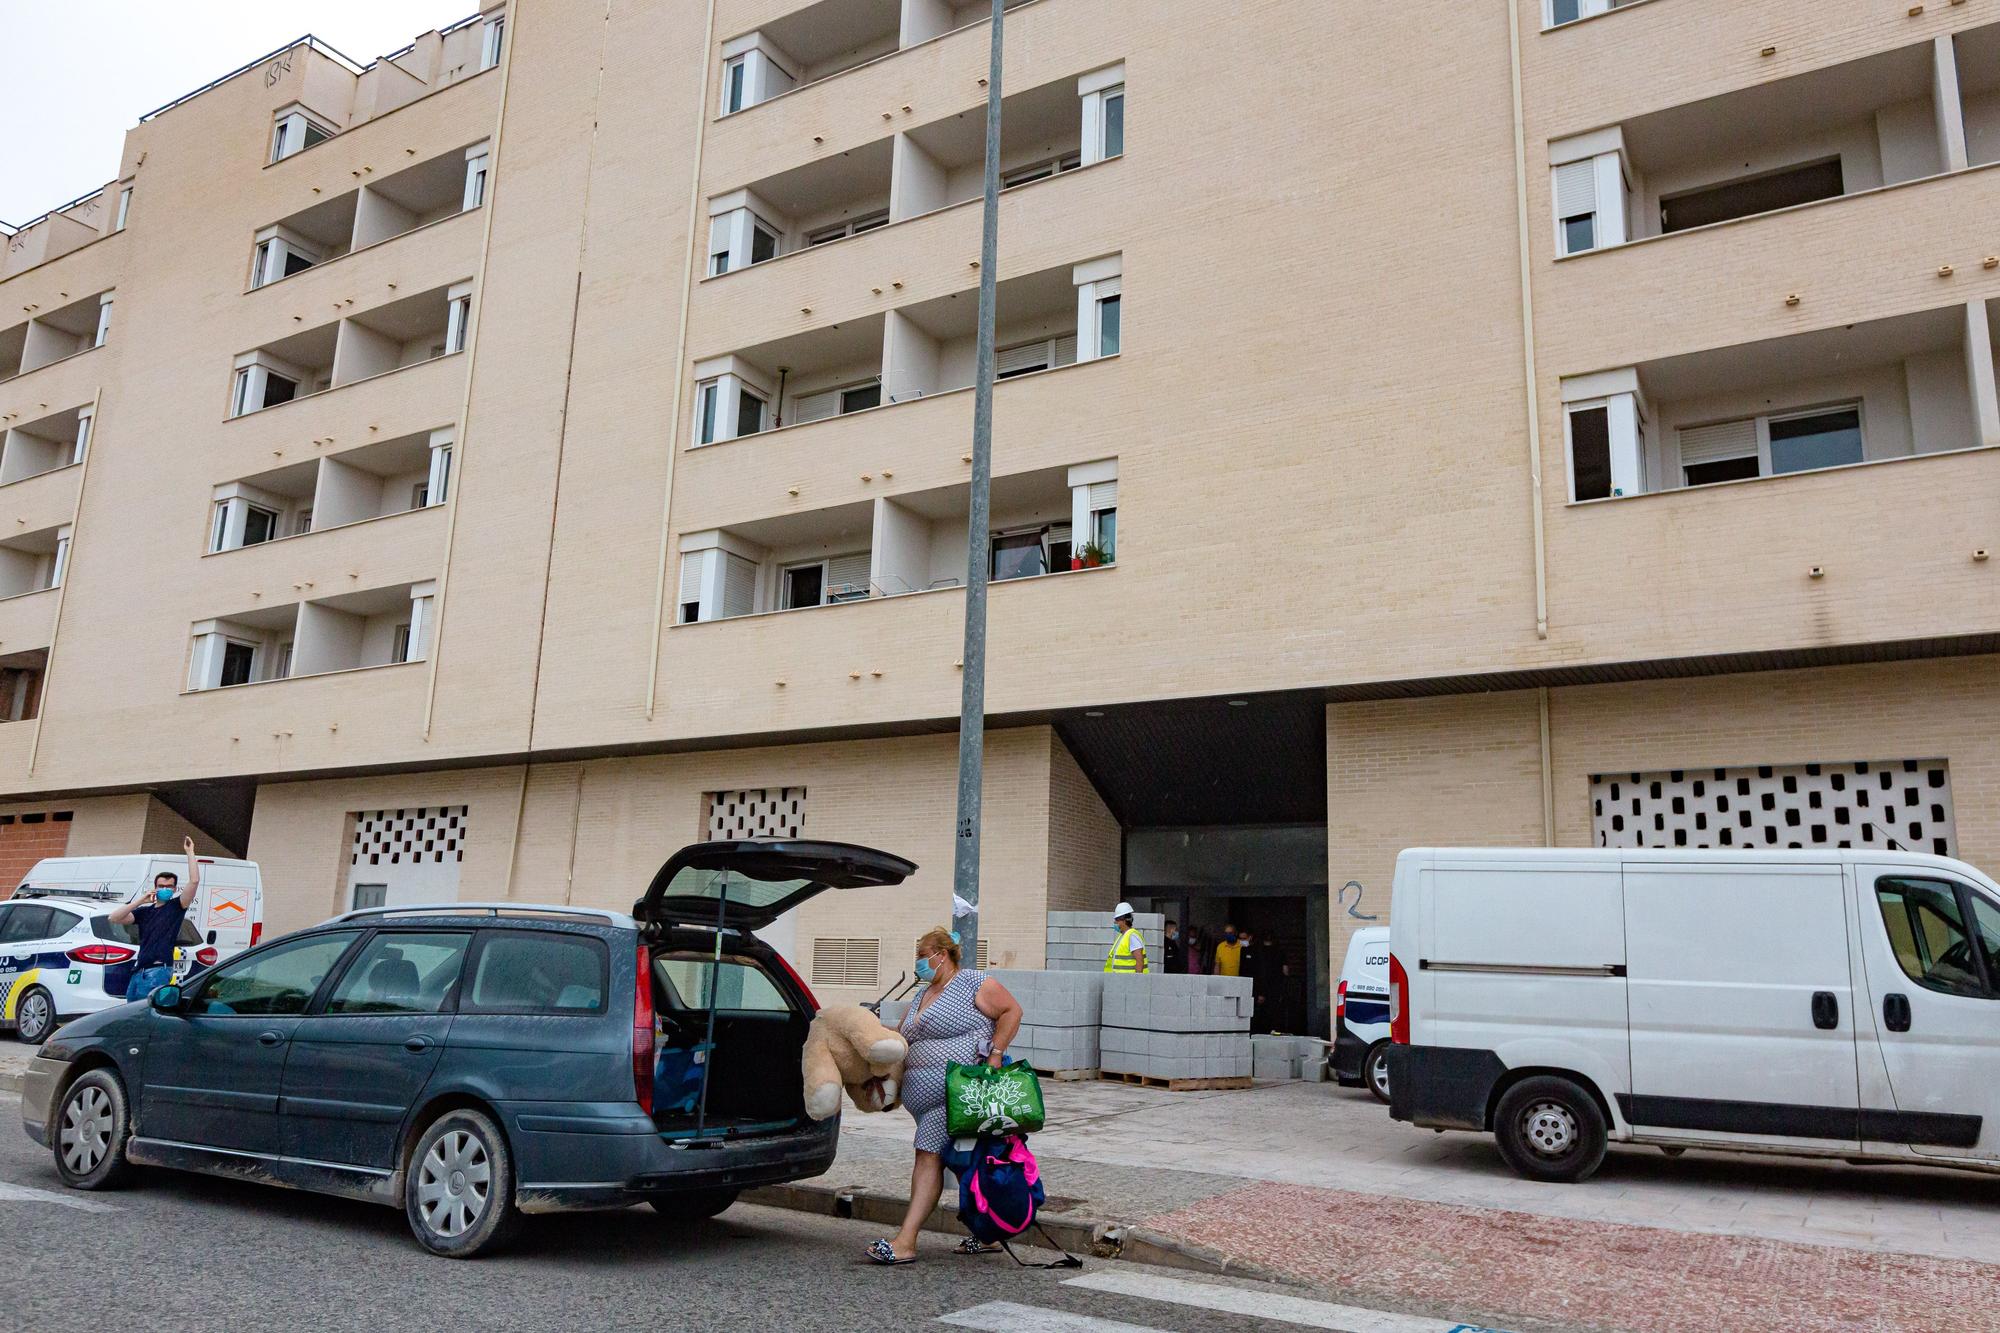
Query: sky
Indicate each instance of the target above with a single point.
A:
(76, 74)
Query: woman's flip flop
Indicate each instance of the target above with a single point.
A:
(882, 1252)
(973, 1245)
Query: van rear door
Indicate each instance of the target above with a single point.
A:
(1930, 947)
(1742, 1002)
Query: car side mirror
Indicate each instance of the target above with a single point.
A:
(167, 999)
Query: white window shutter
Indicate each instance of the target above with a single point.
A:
(1028, 356)
(1576, 188)
(1103, 495)
(739, 586)
(692, 565)
(847, 575)
(816, 407)
(1710, 444)
(1066, 350)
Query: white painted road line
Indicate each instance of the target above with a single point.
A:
(1264, 1305)
(1007, 1317)
(26, 1194)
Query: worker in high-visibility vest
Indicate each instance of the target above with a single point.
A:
(1129, 953)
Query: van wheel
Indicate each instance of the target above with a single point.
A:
(692, 1205)
(93, 1120)
(459, 1190)
(1550, 1129)
(35, 1017)
(1375, 1071)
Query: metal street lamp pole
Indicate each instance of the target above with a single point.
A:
(979, 536)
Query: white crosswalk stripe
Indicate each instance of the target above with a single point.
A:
(1008, 1317)
(28, 1194)
(1274, 1306)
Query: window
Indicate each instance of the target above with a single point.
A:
(741, 986)
(439, 489)
(238, 659)
(1108, 313)
(219, 533)
(1757, 194)
(749, 413)
(852, 227)
(1112, 132)
(103, 321)
(735, 81)
(400, 973)
(258, 388)
(495, 41)
(294, 133)
(1815, 440)
(277, 258)
(27, 921)
(420, 495)
(861, 397)
(538, 972)
(1590, 453)
(457, 316)
(124, 208)
(259, 525)
(82, 446)
(1039, 171)
(708, 402)
(1576, 206)
(763, 245)
(1105, 534)
(280, 980)
(399, 650)
(1926, 926)
(284, 670)
(718, 263)
(1019, 555)
(803, 585)
(1564, 11)
(475, 182)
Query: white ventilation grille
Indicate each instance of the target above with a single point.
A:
(1887, 805)
(425, 835)
(847, 963)
(756, 812)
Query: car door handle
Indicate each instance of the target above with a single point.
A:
(270, 1039)
(417, 1044)
(1896, 1013)
(1825, 1010)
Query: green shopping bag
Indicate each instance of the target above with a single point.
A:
(980, 1099)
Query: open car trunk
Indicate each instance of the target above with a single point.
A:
(754, 1083)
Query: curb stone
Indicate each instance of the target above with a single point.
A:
(1073, 1231)
(10, 1083)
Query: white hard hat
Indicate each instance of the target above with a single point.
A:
(1123, 909)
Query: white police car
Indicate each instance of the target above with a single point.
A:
(61, 957)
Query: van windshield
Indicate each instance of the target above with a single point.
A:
(105, 929)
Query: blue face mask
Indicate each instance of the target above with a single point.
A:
(164, 891)
(925, 972)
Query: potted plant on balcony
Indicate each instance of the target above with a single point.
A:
(1091, 555)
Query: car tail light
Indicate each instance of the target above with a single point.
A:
(1399, 1002)
(1340, 1002)
(642, 1032)
(107, 954)
(205, 956)
(812, 1004)
(256, 932)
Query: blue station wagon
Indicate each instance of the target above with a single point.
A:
(473, 1062)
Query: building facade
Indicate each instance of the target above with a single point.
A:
(481, 471)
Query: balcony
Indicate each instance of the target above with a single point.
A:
(1898, 116)
(403, 333)
(32, 562)
(1048, 319)
(1886, 389)
(55, 335)
(417, 196)
(346, 632)
(44, 444)
(21, 678)
(1041, 134)
(896, 545)
(332, 491)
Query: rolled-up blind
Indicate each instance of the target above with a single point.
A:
(815, 407)
(1026, 357)
(1710, 444)
(1576, 188)
(739, 585)
(692, 566)
(1104, 495)
(847, 577)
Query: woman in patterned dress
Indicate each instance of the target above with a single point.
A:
(962, 1016)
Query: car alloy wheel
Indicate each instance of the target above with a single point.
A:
(86, 1129)
(36, 1018)
(454, 1184)
(1376, 1071)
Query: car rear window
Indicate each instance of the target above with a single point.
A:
(106, 929)
(741, 986)
(538, 972)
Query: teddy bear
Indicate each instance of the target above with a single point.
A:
(847, 1046)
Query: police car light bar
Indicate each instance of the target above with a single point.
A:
(98, 895)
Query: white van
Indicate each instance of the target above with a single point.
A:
(228, 910)
(1360, 1052)
(1826, 1003)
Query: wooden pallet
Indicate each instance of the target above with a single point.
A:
(1066, 1075)
(1176, 1084)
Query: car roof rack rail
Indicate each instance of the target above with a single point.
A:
(491, 909)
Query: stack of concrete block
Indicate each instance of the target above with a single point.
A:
(1060, 1016)
(1081, 941)
(1176, 1027)
(1277, 1057)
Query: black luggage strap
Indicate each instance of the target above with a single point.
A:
(1068, 1260)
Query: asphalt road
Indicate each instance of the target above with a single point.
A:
(178, 1251)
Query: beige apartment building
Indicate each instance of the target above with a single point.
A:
(481, 471)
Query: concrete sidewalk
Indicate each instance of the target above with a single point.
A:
(1316, 1184)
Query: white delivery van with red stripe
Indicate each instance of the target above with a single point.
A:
(228, 911)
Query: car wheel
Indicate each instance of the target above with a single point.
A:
(1375, 1071)
(692, 1205)
(93, 1120)
(1550, 1129)
(35, 1016)
(459, 1190)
